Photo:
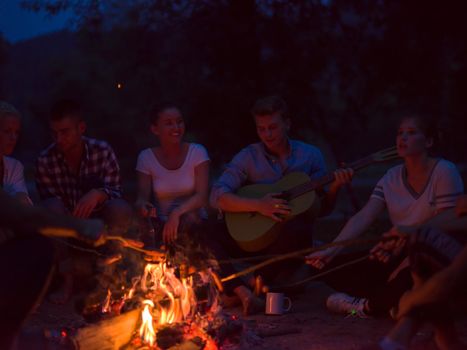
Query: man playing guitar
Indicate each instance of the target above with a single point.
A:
(267, 162)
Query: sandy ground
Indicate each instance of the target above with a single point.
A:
(309, 326)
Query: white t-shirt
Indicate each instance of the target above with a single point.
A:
(172, 187)
(13, 178)
(408, 208)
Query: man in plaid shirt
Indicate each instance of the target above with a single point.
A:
(83, 189)
(80, 176)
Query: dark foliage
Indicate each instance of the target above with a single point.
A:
(346, 68)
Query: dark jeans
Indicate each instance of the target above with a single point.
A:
(295, 234)
(369, 279)
(116, 213)
(429, 250)
(25, 270)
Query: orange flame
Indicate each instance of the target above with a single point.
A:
(106, 306)
(173, 301)
(146, 331)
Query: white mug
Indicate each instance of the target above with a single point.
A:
(275, 304)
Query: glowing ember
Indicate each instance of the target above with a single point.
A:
(174, 300)
(174, 303)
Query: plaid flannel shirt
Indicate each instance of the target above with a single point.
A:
(99, 170)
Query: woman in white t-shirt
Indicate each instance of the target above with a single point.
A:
(176, 172)
(11, 170)
(412, 193)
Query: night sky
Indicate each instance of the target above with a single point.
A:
(17, 24)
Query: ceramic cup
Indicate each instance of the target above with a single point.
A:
(275, 304)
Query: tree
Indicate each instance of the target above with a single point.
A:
(354, 63)
(3, 61)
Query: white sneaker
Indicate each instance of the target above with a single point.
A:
(342, 303)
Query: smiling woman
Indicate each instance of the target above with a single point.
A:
(176, 172)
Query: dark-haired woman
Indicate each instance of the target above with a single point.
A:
(412, 193)
(175, 171)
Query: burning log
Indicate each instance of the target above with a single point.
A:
(174, 302)
(108, 334)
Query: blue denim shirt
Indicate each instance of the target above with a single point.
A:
(254, 165)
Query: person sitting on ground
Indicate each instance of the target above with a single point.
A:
(11, 170)
(267, 162)
(79, 176)
(412, 193)
(26, 259)
(176, 172)
(438, 261)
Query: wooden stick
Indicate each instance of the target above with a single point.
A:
(59, 232)
(345, 243)
(128, 244)
(324, 273)
(70, 233)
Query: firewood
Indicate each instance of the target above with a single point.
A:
(108, 334)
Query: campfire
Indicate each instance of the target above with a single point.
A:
(170, 304)
(172, 300)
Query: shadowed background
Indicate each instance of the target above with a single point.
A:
(346, 68)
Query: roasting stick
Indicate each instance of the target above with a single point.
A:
(324, 273)
(131, 244)
(345, 243)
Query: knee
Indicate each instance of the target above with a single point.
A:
(55, 205)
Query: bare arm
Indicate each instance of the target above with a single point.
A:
(438, 288)
(197, 200)
(353, 228)
(362, 220)
(144, 193)
(22, 218)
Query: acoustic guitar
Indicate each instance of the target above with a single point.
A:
(253, 231)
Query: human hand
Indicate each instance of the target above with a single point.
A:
(342, 177)
(88, 203)
(461, 206)
(274, 207)
(385, 250)
(321, 258)
(170, 231)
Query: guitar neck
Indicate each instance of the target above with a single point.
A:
(324, 180)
